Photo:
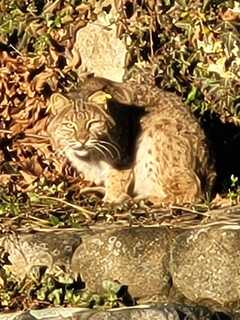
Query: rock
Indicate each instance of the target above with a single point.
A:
(135, 257)
(142, 312)
(205, 267)
(198, 267)
(98, 47)
(25, 316)
(39, 249)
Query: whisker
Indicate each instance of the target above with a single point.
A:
(74, 143)
(112, 145)
(104, 149)
(108, 147)
(63, 151)
(97, 148)
(69, 145)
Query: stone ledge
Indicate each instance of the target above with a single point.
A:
(155, 264)
(142, 312)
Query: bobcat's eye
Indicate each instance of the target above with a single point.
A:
(91, 124)
(95, 126)
(69, 125)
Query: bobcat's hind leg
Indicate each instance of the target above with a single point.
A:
(181, 188)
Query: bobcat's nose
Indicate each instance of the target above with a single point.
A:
(82, 137)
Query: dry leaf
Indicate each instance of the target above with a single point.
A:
(5, 179)
(28, 177)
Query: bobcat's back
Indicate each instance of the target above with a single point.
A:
(168, 159)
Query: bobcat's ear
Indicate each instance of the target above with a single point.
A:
(121, 92)
(99, 97)
(57, 103)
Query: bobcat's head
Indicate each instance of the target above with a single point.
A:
(82, 128)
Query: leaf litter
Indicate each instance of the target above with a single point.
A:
(193, 49)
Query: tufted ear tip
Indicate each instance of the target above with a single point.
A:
(100, 97)
(57, 102)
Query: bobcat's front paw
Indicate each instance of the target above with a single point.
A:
(113, 199)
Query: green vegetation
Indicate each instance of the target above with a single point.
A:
(31, 26)
(194, 47)
(191, 46)
(42, 288)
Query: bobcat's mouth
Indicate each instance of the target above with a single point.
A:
(105, 149)
(81, 153)
(79, 149)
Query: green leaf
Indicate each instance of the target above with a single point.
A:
(55, 296)
(42, 294)
(54, 220)
(111, 286)
(192, 94)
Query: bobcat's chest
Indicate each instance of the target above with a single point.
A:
(93, 170)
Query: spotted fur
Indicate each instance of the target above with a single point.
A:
(171, 162)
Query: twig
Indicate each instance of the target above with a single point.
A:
(29, 135)
(86, 213)
(205, 214)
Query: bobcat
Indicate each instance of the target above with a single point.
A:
(133, 140)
